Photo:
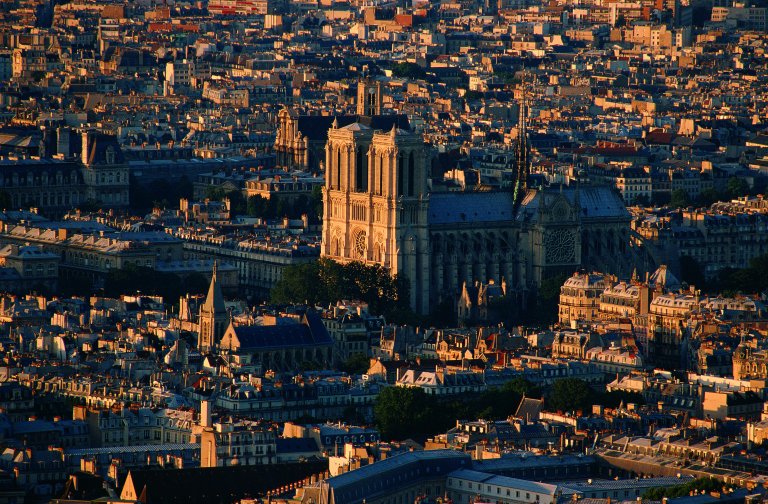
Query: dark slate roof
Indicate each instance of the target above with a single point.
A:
(469, 207)
(296, 445)
(595, 202)
(84, 486)
(218, 484)
(310, 332)
(98, 143)
(529, 408)
(316, 127)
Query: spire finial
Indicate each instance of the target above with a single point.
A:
(335, 124)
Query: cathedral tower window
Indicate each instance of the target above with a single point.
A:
(411, 174)
(361, 171)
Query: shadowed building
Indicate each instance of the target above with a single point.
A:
(283, 345)
(52, 185)
(214, 484)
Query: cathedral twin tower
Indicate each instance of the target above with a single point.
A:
(375, 202)
(378, 209)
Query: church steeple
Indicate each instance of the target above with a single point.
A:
(213, 315)
(522, 150)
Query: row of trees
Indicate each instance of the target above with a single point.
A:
(402, 413)
(735, 188)
(325, 281)
(749, 280)
(170, 286)
(274, 208)
(684, 490)
(574, 394)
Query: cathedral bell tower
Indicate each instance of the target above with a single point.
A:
(375, 203)
(368, 98)
(213, 317)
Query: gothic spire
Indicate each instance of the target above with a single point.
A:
(522, 148)
(214, 301)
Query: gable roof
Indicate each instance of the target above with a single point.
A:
(310, 332)
(529, 408)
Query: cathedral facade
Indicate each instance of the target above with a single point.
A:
(378, 209)
(301, 138)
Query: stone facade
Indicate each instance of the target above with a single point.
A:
(378, 210)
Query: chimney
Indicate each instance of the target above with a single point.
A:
(205, 413)
(87, 140)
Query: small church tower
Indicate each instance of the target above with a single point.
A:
(368, 98)
(213, 316)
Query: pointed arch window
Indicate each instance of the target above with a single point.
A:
(361, 170)
(380, 174)
(411, 174)
(337, 170)
(400, 181)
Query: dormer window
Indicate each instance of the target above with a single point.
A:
(109, 155)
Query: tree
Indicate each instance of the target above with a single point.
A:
(75, 286)
(546, 300)
(317, 203)
(401, 412)
(215, 193)
(571, 394)
(752, 279)
(195, 283)
(737, 187)
(614, 398)
(356, 364)
(691, 271)
(238, 205)
(708, 197)
(258, 206)
(522, 387)
(499, 403)
(408, 70)
(470, 96)
(131, 279)
(325, 281)
(680, 199)
(6, 203)
(685, 489)
(300, 283)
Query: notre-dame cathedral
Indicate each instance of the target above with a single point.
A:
(379, 209)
